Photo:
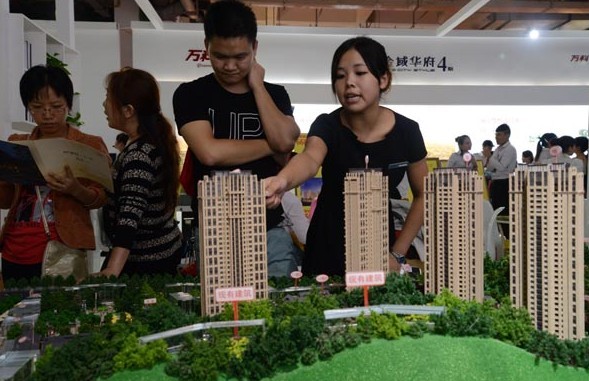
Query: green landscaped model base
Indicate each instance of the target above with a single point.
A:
(431, 358)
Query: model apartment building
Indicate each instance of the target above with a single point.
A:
(366, 213)
(232, 236)
(453, 233)
(546, 233)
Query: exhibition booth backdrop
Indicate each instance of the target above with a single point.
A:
(452, 85)
(462, 83)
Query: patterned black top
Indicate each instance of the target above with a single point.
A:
(135, 216)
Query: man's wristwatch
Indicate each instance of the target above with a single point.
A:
(400, 258)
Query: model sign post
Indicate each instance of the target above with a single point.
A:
(234, 295)
(365, 279)
(321, 279)
(296, 275)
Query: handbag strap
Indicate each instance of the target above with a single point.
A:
(43, 217)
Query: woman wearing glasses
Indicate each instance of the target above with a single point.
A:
(47, 93)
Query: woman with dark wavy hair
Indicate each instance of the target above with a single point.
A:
(139, 216)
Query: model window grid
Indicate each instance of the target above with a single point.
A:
(547, 259)
(232, 228)
(453, 227)
(366, 221)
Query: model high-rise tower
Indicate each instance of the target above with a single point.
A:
(366, 221)
(546, 258)
(453, 233)
(232, 235)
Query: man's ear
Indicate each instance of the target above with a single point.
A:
(255, 46)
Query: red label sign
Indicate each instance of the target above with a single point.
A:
(358, 279)
(296, 274)
(149, 301)
(234, 294)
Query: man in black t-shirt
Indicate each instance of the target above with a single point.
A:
(233, 119)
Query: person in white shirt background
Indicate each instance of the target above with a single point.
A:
(500, 164)
(456, 160)
(295, 222)
(581, 147)
(567, 145)
(527, 157)
(543, 147)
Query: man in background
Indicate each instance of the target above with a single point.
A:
(500, 164)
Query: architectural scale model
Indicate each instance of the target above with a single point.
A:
(366, 220)
(232, 228)
(546, 258)
(453, 233)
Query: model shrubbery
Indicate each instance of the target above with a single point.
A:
(295, 333)
(199, 360)
(134, 355)
(8, 301)
(496, 277)
(563, 352)
(512, 325)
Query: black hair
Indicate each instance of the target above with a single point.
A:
(138, 88)
(582, 142)
(488, 143)
(39, 77)
(372, 52)
(544, 142)
(460, 140)
(545, 139)
(230, 18)
(565, 142)
(122, 138)
(503, 128)
(528, 153)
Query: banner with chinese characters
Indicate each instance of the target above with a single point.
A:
(301, 56)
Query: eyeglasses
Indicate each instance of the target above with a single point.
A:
(52, 110)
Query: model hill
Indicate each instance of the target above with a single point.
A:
(432, 358)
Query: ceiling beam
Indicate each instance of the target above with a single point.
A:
(508, 6)
(460, 16)
(362, 16)
(151, 13)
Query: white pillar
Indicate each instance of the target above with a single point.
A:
(64, 17)
(126, 12)
(5, 122)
